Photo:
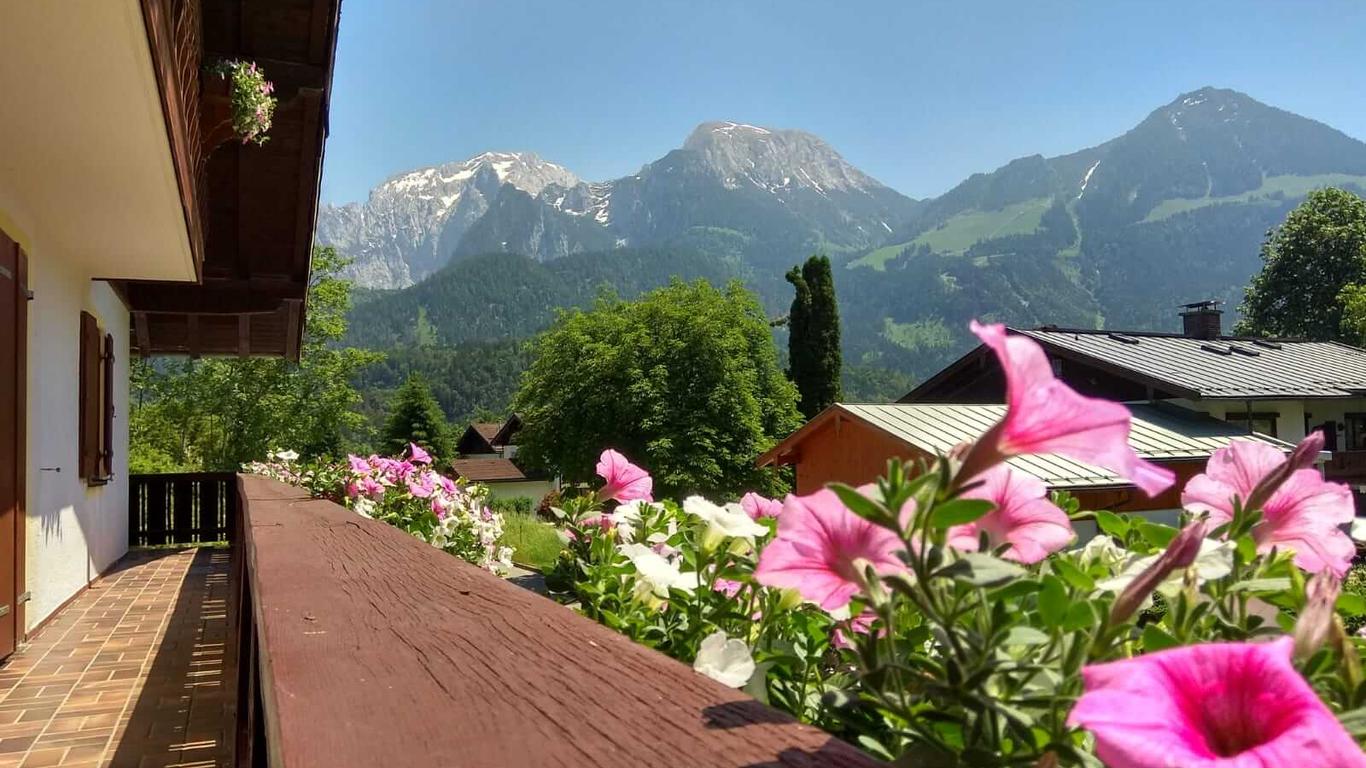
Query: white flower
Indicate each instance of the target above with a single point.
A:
(287, 456)
(1359, 529)
(657, 573)
(725, 660)
(729, 521)
(627, 516)
(364, 507)
(1102, 549)
(1215, 561)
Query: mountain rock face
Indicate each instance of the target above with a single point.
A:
(1116, 235)
(411, 223)
(745, 190)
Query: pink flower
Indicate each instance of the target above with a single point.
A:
(861, 624)
(1045, 415)
(1221, 705)
(1302, 515)
(371, 487)
(820, 548)
(358, 464)
(352, 489)
(727, 587)
(1024, 518)
(757, 506)
(417, 455)
(625, 481)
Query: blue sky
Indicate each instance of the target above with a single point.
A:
(920, 95)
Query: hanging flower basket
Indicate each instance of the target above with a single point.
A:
(237, 102)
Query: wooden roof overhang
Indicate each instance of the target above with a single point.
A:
(250, 210)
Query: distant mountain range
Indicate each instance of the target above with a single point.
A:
(1114, 236)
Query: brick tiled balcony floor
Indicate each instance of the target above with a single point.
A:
(138, 671)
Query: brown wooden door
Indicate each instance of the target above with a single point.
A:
(13, 309)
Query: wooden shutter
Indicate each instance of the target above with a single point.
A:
(90, 415)
(107, 422)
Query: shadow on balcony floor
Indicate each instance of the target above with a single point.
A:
(136, 672)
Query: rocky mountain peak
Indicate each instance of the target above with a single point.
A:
(774, 159)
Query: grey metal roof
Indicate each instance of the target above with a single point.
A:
(1224, 368)
(1158, 433)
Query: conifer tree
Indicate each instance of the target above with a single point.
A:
(814, 336)
(415, 417)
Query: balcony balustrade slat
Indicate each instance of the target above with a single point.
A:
(373, 648)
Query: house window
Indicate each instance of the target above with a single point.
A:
(1263, 423)
(96, 407)
(1356, 431)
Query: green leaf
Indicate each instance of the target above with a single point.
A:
(1155, 639)
(1156, 534)
(959, 512)
(1261, 585)
(981, 570)
(1080, 616)
(1351, 604)
(1014, 590)
(1053, 601)
(1072, 574)
(1025, 635)
(859, 504)
(1112, 524)
(1354, 721)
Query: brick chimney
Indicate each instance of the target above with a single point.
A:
(1201, 320)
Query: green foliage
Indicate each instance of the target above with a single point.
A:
(415, 417)
(534, 543)
(467, 379)
(1308, 261)
(871, 384)
(813, 340)
(684, 379)
(194, 415)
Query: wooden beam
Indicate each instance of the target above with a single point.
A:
(319, 29)
(143, 335)
(192, 335)
(214, 298)
(293, 328)
(310, 171)
(244, 336)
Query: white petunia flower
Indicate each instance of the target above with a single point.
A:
(725, 660)
(1359, 529)
(730, 521)
(289, 456)
(1215, 561)
(657, 573)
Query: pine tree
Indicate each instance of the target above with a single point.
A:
(415, 417)
(814, 336)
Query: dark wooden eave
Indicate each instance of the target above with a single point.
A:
(259, 203)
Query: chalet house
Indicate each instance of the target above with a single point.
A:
(852, 443)
(1281, 388)
(131, 223)
(487, 450)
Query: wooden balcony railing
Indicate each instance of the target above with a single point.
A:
(362, 646)
(186, 508)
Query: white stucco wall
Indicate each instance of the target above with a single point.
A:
(532, 489)
(1291, 415)
(73, 532)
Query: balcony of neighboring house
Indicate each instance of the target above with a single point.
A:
(316, 637)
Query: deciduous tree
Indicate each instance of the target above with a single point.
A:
(683, 380)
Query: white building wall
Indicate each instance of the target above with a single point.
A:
(73, 532)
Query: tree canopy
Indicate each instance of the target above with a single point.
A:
(683, 380)
(218, 414)
(813, 342)
(415, 417)
(1310, 263)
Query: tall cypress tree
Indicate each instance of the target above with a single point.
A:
(415, 417)
(814, 336)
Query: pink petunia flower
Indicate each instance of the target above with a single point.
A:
(1044, 415)
(1024, 518)
(417, 455)
(625, 482)
(358, 464)
(371, 487)
(757, 506)
(819, 549)
(1302, 515)
(1220, 705)
(861, 624)
(727, 587)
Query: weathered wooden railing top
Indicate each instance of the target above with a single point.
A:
(377, 649)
